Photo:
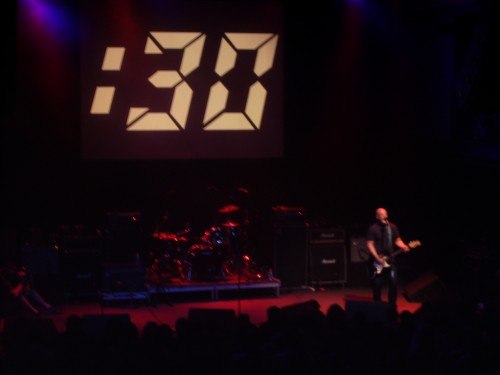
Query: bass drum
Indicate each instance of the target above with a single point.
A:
(203, 263)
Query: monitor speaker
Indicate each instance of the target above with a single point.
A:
(300, 310)
(223, 320)
(372, 311)
(426, 288)
(96, 325)
(25, 329)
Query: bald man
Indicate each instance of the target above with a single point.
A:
(382, 240)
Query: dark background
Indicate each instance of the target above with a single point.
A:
(382, 101)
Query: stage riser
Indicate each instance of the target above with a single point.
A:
(218, 291)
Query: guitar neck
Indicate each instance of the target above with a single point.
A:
(411, 245)
(397, 252)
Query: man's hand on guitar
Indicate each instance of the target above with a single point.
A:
(383, 261)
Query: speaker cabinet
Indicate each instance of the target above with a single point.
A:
(123, 278)
(96, 325)
(328, 264)
(290, 254)
(40, 260)
(224, 320)
(19, 330)
(297, 311)
(325, 235)
(81, 271)
(358, 250)
(427, 288)
(124, 237)
(371, 311)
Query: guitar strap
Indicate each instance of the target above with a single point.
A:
(388, 234)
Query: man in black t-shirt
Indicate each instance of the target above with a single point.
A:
(383, 239)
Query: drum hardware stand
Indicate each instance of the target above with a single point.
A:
(159, 283)
(164, 292)
(233, 244)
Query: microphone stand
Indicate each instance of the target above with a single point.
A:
(237, 254)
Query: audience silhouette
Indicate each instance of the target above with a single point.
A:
(458, 335)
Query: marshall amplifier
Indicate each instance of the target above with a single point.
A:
(327, 263)
(321, 236)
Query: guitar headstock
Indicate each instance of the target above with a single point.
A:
(414, 244)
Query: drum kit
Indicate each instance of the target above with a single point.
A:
(217, 255)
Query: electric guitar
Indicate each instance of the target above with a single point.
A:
(379, 267)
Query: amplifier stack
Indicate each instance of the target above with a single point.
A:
(326, 249)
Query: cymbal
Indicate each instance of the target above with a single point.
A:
(227, 209)
(230, 224)
(165, 236)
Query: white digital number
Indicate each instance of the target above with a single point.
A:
(215, 117)
(192, 44)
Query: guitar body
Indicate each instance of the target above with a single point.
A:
(378, 268)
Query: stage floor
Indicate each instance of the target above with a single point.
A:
(166, 308)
